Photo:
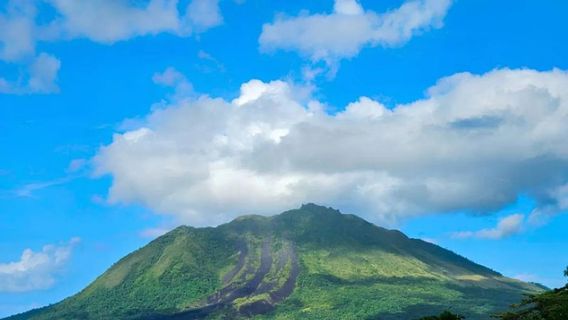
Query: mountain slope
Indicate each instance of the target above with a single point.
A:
(311, 263)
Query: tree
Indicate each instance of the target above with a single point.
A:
(549, 305)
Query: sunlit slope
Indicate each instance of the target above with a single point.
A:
(310, 263)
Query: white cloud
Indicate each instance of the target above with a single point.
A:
(209, 63)
(17, 30)
(349, 28)
(348, 7)
(364, 108)
(506, 227)
(556, 201)
(110, 21)
(170, 77)
(35, 270)
(203, 14)
(175, 79)
(41, 77)
(43, 74)
(107, 21)
(473, 144)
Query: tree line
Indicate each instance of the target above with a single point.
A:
(549, 305)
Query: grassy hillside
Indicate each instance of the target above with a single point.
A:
(310, 263)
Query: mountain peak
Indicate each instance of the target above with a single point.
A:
(315, 208)
(312, 262)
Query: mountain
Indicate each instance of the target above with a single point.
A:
(308, 263)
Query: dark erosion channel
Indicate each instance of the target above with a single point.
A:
(244, 280)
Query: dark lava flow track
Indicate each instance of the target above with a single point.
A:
(247, 280)
(243, 249)
(279, 294)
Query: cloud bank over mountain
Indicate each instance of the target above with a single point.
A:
(474, 144)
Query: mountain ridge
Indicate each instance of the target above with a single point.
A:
(308, 262)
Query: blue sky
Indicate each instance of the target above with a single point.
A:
(106, 135)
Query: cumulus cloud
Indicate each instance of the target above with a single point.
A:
(343, 33)
(108, 21)
(474, 143)
(35, 270)
(506, 227)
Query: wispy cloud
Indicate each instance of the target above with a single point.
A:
(209, 63)
(98, 199)
(29, 189)
(76, 165)
(75, 169)
(174, 79)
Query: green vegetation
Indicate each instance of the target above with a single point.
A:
(280, 268)
(446, 315)
(549, 305)
(171, 273)
(308, 263)
(325, 292)
(251, 299)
